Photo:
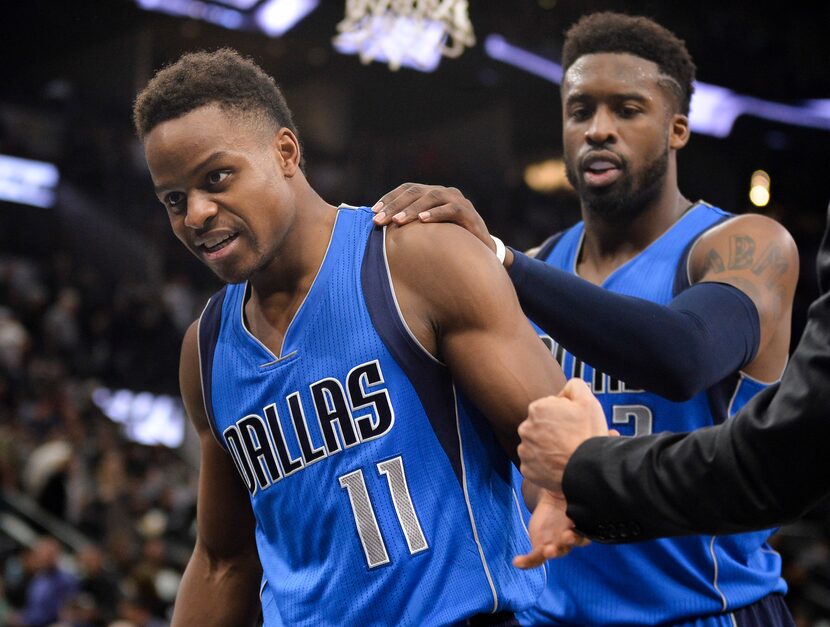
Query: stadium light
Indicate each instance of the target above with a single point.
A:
(146, 418)
(272, 17)
(28, 182)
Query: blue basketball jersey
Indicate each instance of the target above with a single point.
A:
(380, 495)
(670, 580)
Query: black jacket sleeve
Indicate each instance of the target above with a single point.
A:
(767, 465)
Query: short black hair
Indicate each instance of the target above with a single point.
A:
(608, 31)
(222, 77)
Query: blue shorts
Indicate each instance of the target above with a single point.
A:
(771, 611)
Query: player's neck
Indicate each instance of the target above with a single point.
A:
(610, 243)
(300, 254)
(278, 291)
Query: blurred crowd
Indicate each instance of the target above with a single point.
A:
(94, 528)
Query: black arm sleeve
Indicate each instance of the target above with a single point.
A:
(707, 332)
(767, 465)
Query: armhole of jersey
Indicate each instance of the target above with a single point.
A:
(721, 396)
(548, 245)
(429, 377)
(209, 324)
(682, 278)
(391, 298)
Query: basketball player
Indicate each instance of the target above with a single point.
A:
(323, 375)
(675, 312)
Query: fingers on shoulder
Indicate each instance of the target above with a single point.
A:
(406, 202)
(390, 197)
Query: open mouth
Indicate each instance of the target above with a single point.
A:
(601, 173)
(213, 247)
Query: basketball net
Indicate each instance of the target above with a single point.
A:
(415, 33)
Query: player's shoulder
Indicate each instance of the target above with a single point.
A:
(749, 229)
(746, 241)
(442, 263)
(431, 243)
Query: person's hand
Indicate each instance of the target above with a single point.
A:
(431, 203)
(551, 533)
(554, 428)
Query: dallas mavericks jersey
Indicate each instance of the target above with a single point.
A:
(668, 580)
(380, 494)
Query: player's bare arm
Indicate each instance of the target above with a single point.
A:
(221, 582)
(462, 308)
(759, 257)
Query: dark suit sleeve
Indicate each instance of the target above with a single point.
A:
(766, 466)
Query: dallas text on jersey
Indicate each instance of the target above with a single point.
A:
(258, 443)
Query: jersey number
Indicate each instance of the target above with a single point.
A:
(364, 514)
(640, 414)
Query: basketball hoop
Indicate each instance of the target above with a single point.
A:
(413, 33)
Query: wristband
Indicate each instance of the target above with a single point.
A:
(500, 249)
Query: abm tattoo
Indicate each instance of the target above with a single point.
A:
(772, 259)
(713, 263)
(741, 251)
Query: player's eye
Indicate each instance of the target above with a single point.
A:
(217, 176)
(174, 201)
(579, 114)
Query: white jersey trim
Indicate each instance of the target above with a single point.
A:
(398, 307)
(715, 576)
(522, 520)
(280, 357)
(470, 508)
(742, 376)
(749, 377)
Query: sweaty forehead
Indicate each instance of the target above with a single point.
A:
(610, 70)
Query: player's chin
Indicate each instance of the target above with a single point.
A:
(229, 272)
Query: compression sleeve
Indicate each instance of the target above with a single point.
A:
(707, 332)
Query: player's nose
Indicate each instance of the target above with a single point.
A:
(601, 129)
(200, 210)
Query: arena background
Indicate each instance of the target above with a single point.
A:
(95, 292)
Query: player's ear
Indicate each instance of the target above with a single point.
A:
(287, 151)
(679, 131)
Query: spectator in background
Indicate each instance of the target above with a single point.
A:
(45, 476)
(49, 588)
(134, 613)
(98, 583)
(60, 324)
(14, 342)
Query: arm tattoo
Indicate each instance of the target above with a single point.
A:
(773, 260)
(741, 250)
(770, 267)
(713, 263)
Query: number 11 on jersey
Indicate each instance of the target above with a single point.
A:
(365, 519)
